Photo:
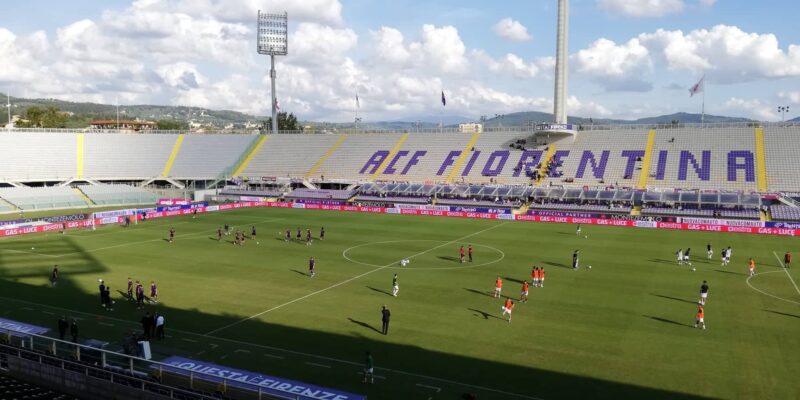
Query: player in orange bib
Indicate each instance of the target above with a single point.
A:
(752, 266)
(541, 277)
(524, 296)
(533, 275)
(498, 287)
(507, 308)
(700, 317)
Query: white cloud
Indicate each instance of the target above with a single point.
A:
(510, 29)
(707, 3)
(510, 65)
(642, 8)
(793, 97)
(753, 107)
(390, 47)
(443, 48)
(615, 67)
(727, 53)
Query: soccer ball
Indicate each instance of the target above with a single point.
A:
(586, 237)
(258, 242)
(693, 269)
(33, 248)
(590, 267)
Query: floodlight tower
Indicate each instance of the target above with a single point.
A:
(272, 40)
(562, 48)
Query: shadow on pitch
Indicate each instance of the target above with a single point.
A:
(782, 313)
(510, 279)
(667, 321)
(379, 290)
(449, 258)
(487, 294)
(556, 264)
(299, 272)
(662, 261)
(730, 272)
(364, 325)
(484, 314)
(673, 298)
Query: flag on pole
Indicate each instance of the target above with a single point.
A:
(277, 105)
(444, 100)
(697, 87)
(358, 105)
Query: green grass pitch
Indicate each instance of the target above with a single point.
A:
(623, 329)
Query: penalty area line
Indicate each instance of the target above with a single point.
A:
(279, 306)
(787, 272)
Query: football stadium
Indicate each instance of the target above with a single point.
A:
(132, 263)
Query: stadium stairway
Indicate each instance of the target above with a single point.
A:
(325, 156)
(636, 210)
(551, 150)
(644, 174)
(463, 157)
(761, 160)
(522, 210)
(249, 154)
(389, 157)
(84, 196)
(176, 148)
(5, 204)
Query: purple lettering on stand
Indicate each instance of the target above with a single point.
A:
(748, 165)
(703, 169)
(558, 159)
(390, 168)
(375, 161)
(661, 167)
(413, 161)
(449, 161)
(631, 155)
(598, 168)
(528, 159)
(488, 170)
(471, 162)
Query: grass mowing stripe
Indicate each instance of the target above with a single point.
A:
(351, 279)
(787, 272)
(28, 252)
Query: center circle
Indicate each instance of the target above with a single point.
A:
(420, 257)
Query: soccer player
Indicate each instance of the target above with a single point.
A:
(63, 227)
(311, 267)
(787, 259)
(469, 252)
(253, 232)
(308, 237)
(130, 289)
(236, 237)
(322, 233)
(541, 277)
(299, 235)
(751, 265)
(395, 286)
(575, 259)
(171, 234)
(288, 235)
(153, 292)
(578, 230)
(368, 369)
(139, 295)
(703, 293)
(709, 251)
(524, 295)
(498, 287)
(686, 258)
(724, 256)
(533, 275)
(102, 289)
(194, 213)
(728, 255)
(679, 254)
(700, 317)
(54, 275)
(461, 254)
(219, 234)
(227, 229)
(507, 307)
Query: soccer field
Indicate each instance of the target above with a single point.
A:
(623, 329)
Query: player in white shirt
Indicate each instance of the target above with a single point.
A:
(679, 254)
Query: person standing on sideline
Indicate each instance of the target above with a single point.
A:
(62, 327)
(787, 259)
(703, 293)
(102, 289)
(54, 275)
(469, 252)
(147, 325)
(385, 316)
(395, 286)
(160, 327)
(73, 330)
(369, 371)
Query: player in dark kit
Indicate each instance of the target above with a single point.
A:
(787, 259)
(227, 229)
(171, 234)
(288, 235)
(139, 295)
(469, 252)
(299, 235)
(253, 232)
(308, 237)
(575, 259)
(130, 289)
(322, 233)
(54, 275)
(312, 264)
(461, 254)
(153, 292)
(219, 234)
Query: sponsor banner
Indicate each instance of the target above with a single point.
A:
(645, 224)
(782, 225)
(53, 219)
(562, 214)
(316, 201)
(182, 207)
(422, 207)
(21, 327)
(270, 385)
(212, 208)
(109, 214)
(298, 205)
(110, 220)
(174, 202)
(482, 210)
(728, 222)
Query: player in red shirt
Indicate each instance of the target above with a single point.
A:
(787, 259)
(469, 251)
(498, 287)
(541, 277)
(461, 254)
(524, 296)
(507, 307)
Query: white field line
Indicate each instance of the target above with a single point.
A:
(437, 389)
(766, 293)
(191, 235)
(134, 228)
(350, 280)
(787, 272)
(29, 252)
(317, 365)
(274, 356)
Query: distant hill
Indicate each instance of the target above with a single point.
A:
(523, 118)
(795, 120)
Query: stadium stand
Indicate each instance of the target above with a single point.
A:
(117, 194)
(53, 154)
(126, 156)
(37, 198)
(290, 156)
(341, 195)
(785, 213)
(11, 388)
(206, 156)
(782, 163)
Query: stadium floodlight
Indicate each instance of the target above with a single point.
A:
(562, 46)
(273, 40)
(783, 110)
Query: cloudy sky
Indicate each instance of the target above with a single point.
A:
(628, 58)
